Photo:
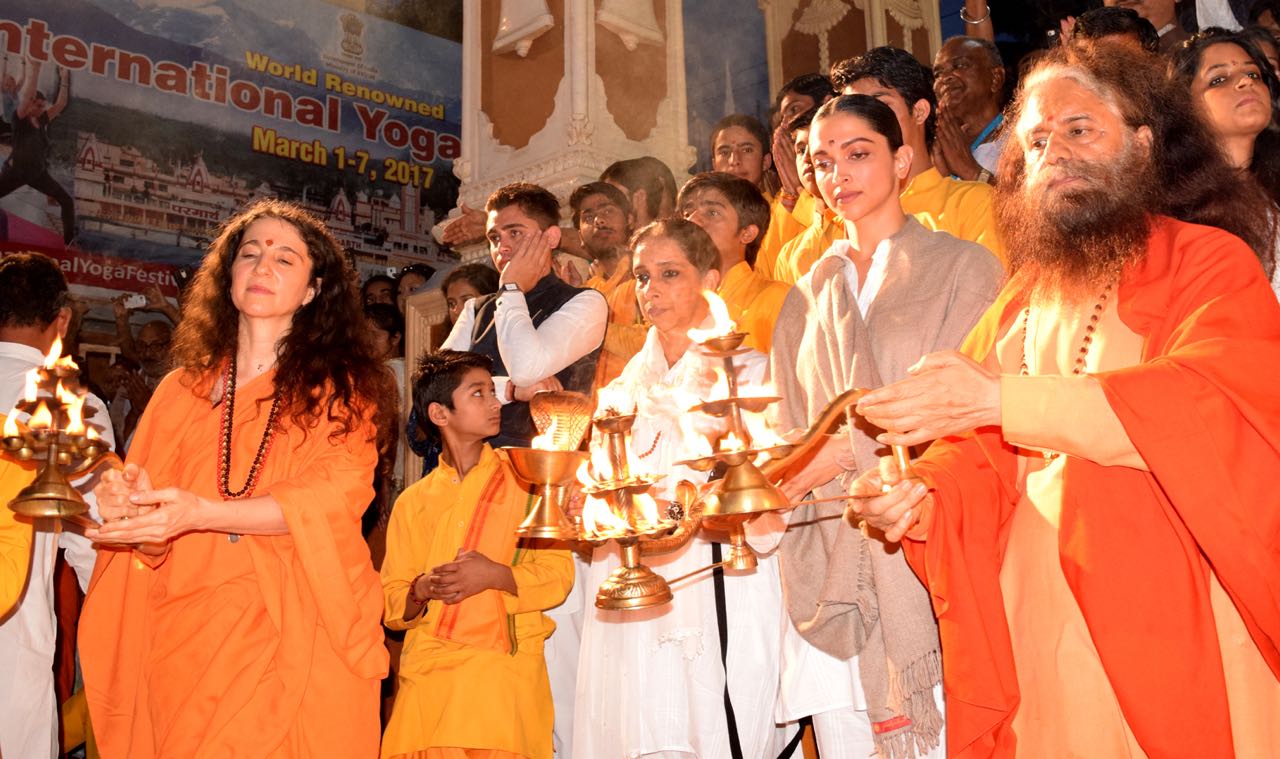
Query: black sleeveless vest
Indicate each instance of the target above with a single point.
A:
(546, 297)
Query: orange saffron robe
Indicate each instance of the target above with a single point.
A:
(1141, 550)
(268, 646)
(472, 674)
(15, 536)
(624, 334)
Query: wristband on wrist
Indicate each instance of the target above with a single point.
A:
(974, 21)
(413, 591)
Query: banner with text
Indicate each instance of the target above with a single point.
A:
(131, 130)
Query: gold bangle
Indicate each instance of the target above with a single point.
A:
(974, 21)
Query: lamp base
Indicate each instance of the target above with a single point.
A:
(637, 587)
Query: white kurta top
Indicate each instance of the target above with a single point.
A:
(28, 712)
(651, 682)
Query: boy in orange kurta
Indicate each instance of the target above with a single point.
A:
(268, 645)
(735, 215)
(472, 678)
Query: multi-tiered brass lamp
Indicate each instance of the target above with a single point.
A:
(618, 505)
(57, 437)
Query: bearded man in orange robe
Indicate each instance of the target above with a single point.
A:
(1098, 524)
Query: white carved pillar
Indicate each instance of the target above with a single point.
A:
(883, 22)
(644, 40)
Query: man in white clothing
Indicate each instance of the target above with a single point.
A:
(541, 333)
(34, 311)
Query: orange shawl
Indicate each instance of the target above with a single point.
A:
(1136, 547)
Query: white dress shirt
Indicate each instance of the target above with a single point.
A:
(28, 711)
(531, 354)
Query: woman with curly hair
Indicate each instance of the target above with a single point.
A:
(233, 610)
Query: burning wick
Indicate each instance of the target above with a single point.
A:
(722, 323)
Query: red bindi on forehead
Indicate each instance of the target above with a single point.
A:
(269, 242)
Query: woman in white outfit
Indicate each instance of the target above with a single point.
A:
(652, 682)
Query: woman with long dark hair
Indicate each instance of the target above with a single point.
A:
(1236, 92)
(233, 609)
(859, 625)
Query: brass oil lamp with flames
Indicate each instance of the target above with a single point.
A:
(618, 506)
(57, 437)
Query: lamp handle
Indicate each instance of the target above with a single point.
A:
(834, 411)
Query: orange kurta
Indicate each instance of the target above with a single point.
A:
(472, 675)
(624, 334)
(753, 302)
(1142, 549)
(268, 646)
(15, 536)
(784, 225)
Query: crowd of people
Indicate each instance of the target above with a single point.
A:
(1063, 302)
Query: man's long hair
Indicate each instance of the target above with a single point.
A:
(1193, 181)
(326, 365)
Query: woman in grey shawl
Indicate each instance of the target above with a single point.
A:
(861, 653)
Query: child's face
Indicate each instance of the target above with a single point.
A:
(712, 211)
(476, 411)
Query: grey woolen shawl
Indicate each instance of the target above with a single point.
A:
(850, 595)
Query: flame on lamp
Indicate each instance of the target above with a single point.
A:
(74, 404)
(722, 323)
(599, 520)
(42, 419)
(31, 386)
(731, 442)
(55, 360)
(546, 441)
(10, 425)
(695, 443)
(720, 388)
(55, 350)
(758, 429)
(615, 400)
(646, 511)
(601, 467)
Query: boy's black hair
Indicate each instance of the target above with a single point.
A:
(615, 196)
(387, 317)
(439, 374)
(747, 201)
(815, 85)
(801, 121)
(1104, 22)
(896, 69)
(644, 173)
(32, 290)
(538, 203)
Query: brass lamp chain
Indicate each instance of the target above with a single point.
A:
(224, 439)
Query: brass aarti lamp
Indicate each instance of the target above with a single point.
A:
(57, 437)
(618, 506)
(552, 463)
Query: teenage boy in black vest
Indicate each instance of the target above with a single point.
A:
(541, 333)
